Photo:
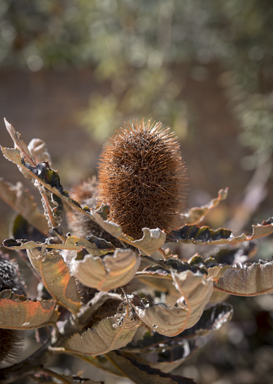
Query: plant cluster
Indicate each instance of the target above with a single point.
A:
(109, 295)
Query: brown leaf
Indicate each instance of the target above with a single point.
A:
(17, 312)
(106, 336)
(106, 273)
(196, 215)
(195, 291)
(17, 140)
(12, 155)
(204, 235)
(72, 243)
(56, 278)
(144, 374)
(22, 202)
(102, 363)
(253, 280)
(151, 241)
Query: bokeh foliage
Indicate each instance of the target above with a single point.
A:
(138, 47)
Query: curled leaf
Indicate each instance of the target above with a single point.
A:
(12, 154)
(166, 355)
(253, 280)
(107, 273)
(22, 202)
(106, 336)
(205, 235)
(199, 235)
(197, 214)
(143, 373)
(18, 141)
(195, 291)
(17, 312)
(72, 243)
(56, 278)
(151, 241)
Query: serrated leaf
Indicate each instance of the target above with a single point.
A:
(143, 373)
(151, 241)
(212, 319)
(253, 280)
(56, 278)
(108, 273)
(72, 243)
(17, 312)
(166, 355)
(12, 154)
(105, 337)
(195, 291)
(199, 235)
(204, 235)
(196, 215)
(93, 245)
(217, 271)
(17, 140)
(22, 202)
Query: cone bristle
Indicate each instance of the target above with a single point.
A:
(143, 178)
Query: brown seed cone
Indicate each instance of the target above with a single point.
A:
(11, 341)
(143, 178)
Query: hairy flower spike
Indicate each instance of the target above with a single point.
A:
(143, 178)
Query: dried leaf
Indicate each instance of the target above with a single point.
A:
(205, 235)
(212, 319)
(199, 235)
(44, 378)
(17, 140)
(56, 278)
(166, 355)
(106, 336)
(144, 374)
(102, 363)
(151, 241)
(108, 273)
(253, 280)
(12, 155)
(93, 245)
(197, 214)
(72, 243)
(17, 312)
(22, 202)
(217, 271)
(195, 291)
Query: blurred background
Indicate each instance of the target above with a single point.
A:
(72, 71)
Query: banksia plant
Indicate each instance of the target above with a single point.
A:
(143, 178)
(112, 274)
(11, 341)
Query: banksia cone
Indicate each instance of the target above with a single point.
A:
(143, 178)
(11, 341)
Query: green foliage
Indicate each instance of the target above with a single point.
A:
(138, 49)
